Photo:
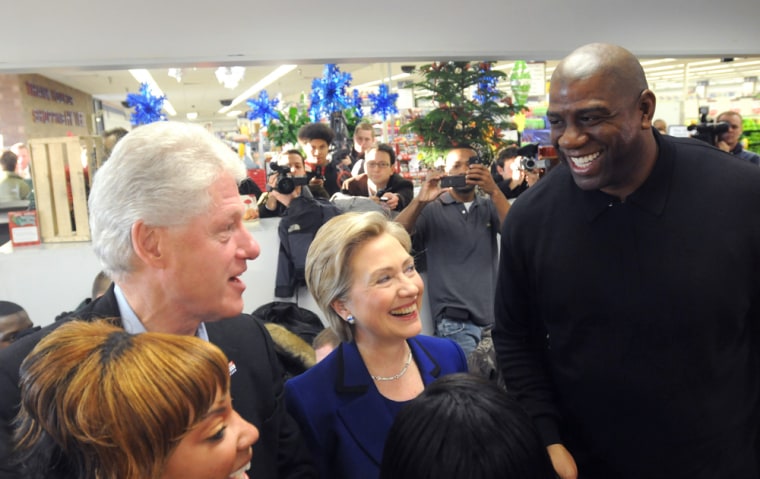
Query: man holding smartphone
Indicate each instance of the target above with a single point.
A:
(457, 228)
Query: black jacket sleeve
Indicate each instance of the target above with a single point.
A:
(403, 188)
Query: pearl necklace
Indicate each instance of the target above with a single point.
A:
(396, 376)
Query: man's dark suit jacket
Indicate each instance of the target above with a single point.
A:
(256, 389)
(344, 418)
(396, 184)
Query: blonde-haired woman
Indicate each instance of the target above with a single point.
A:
(361, 274)
(103, 403)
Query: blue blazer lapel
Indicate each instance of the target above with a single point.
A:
(428, 366)
(364, 413)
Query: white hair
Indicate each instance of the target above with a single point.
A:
(159, 173)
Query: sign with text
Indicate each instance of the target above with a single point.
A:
(23, 228)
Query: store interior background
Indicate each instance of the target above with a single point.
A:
(90, 45)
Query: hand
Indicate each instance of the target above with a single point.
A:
(518, 176)
(274, 196)
(722, 145)
(316, 182)
(562, 461)
(431, 187)
(480, 175)
(391, 200)
(346, 184)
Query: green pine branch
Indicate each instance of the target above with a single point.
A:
(457, 119)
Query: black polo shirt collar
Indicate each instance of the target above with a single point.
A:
(650, 197)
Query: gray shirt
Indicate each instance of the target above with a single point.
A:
(462, 254)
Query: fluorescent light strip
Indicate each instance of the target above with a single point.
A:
(364, 86)
(278, 73)
(504, 67)
(655, 62)
(676, 67)
(704, 62)
(730, 65)
(143, 76)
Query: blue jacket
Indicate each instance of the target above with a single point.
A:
(342, 415)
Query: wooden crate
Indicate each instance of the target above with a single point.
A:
(61, 184)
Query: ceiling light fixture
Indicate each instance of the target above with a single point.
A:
(749, 85)
(505, 66)
(176, 73)
(144, 76)
(278, 73)
(364, 86)
(230, 77)
(192, 115)
(647, 63)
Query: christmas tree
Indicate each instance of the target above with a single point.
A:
(468, 109)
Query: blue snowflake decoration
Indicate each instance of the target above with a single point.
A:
(383, 103)
(357, 103)
(262, 108)
(328, 93)
(147, 107)
(486, 90)
(315, 101)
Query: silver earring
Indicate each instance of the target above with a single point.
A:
(350, 319)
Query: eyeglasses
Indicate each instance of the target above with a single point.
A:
(372, 164)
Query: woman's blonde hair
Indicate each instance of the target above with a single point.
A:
(110, 404)
(328, 262)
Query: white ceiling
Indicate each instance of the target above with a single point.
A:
(89, 44)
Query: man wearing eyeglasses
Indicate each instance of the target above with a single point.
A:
(380, 182)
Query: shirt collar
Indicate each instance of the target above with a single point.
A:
(447, 199)
(650, 197)
(737, 149)
(132, 323)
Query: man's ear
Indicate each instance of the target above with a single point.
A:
(146, 241)
(647, 103)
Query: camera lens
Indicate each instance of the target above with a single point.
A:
(285, 185)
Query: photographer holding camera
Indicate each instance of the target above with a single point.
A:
(285, 183)
(317, 141)
(528, 163)
(380, 182)
(457, 228)
(507, 175)
(729, 141)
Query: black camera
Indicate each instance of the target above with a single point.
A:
(286, 182)
(457, 181)
(532, 164)
(707, 130)
(528, 155)
(454, 181)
